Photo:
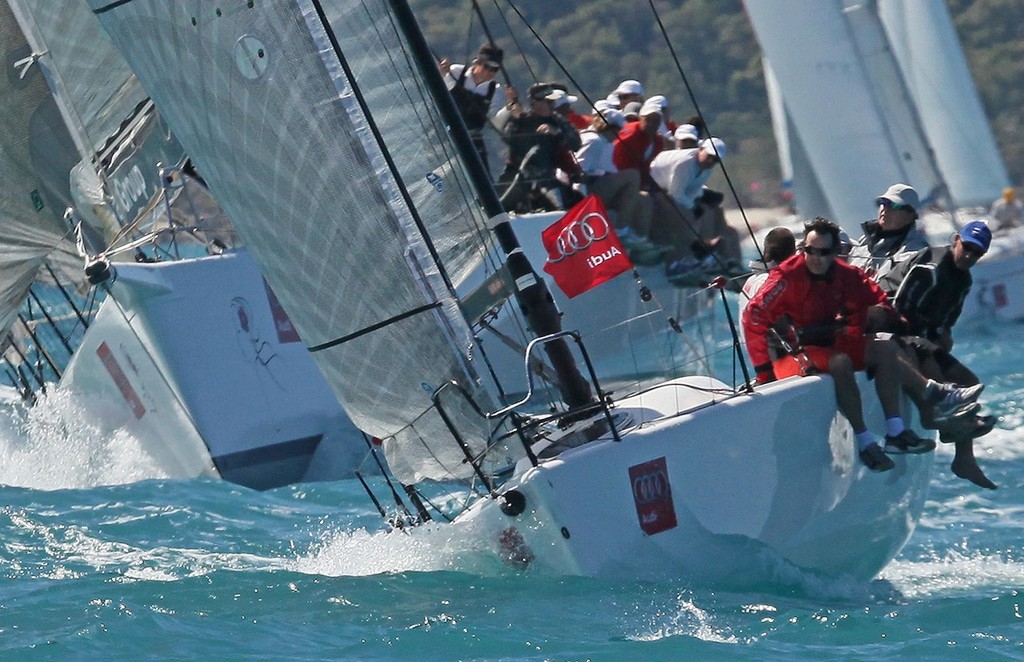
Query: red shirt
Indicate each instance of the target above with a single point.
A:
(809, 300)
(634, 149)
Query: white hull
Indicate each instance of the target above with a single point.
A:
(192, 358)
(693, 495)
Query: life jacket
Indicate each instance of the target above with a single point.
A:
(472, 106)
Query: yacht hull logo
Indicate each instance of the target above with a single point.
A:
(652, 494)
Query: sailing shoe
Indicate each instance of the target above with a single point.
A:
(979, 427)
(908, 442)
(962, 411)
(875, 459)
(952, 398)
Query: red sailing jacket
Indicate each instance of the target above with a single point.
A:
(810, 301)
(631, 150)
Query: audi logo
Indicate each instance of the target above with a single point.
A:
(650, 487)
(579, 234)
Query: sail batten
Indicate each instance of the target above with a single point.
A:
(313, 128)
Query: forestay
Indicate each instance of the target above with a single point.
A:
(328, 155)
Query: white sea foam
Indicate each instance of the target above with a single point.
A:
(61, 443)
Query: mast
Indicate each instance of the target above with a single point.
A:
(531, 291)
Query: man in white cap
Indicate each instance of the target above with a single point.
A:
(689, 215)
(618, 189)
(894, 236)
(629, 90)
(563, 102)
(668, 127)
(686, 136)
(639, 142)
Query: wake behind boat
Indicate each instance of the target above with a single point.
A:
(352, 179)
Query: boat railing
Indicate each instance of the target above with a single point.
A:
(526, 421)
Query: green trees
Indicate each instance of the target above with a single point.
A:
(601, 42)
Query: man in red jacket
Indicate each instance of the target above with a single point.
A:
(638, 143)
(819, 308)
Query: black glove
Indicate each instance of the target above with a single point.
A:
(697, 210)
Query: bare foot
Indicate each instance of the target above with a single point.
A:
(968, 469)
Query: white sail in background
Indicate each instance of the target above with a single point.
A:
(35, 156)
(846, 101)
(928, 50)
(363, 227)
(797, 172)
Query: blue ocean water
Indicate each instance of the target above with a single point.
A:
(104, 556)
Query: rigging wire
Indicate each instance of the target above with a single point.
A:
(515, 40)
(696, 106)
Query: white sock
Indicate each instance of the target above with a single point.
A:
(894, 426)
(864, 439)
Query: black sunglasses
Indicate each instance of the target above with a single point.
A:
(971, 249)
(821, 252)
(895, 206)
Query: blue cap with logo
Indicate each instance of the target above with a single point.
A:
(977, 233)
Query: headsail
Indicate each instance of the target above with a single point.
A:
(324, 148)
(108, 115)
(35, 156)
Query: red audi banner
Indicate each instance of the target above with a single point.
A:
(583, 250)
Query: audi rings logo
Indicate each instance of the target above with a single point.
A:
(579, 235)
(650, 487)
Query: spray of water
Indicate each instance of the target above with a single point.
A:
(61, 443)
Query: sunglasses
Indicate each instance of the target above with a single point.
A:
(895, 206)
(820, 252)
(971, 249)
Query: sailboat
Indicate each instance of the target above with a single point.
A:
(189, 351)
(329, 136)
(902, 107)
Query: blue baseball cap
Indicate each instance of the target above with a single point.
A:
(977, 233)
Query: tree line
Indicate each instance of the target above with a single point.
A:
(710, 61)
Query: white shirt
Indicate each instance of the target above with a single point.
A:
(679, 174)
(595, 156)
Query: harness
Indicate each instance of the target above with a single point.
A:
(473, 106)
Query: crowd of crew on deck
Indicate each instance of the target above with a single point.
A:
(886, 303)
(650, 171)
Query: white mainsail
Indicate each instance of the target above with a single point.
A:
(363, 243)
(846, 101)
(925, 43)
